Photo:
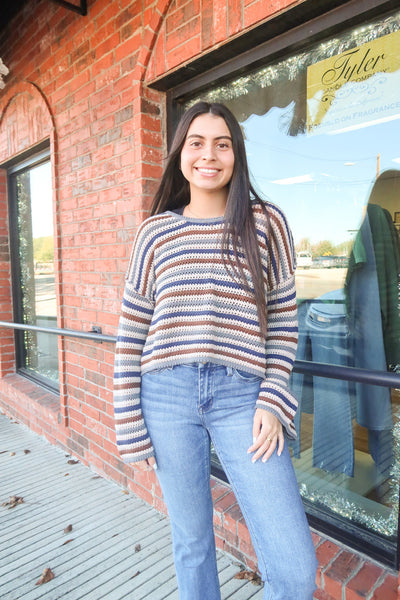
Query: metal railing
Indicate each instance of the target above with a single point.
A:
(367, 376)
(88, 335)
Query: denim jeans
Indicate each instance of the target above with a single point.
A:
(331, 401)
(185, 408)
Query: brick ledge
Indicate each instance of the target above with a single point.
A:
(342, 572)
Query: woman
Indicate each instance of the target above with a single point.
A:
(206, 343)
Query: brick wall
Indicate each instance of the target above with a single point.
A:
(81, 82)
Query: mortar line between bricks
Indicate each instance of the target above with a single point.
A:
(353, 574)
(327, 564)
(378, 582)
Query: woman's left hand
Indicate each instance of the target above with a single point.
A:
(267, 435)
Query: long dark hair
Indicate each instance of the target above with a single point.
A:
(240, 229)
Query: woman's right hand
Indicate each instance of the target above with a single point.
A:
(149, 464)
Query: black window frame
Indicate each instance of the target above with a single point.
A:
(288, 33)
(26, 161)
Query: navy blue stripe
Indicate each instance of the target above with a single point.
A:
(189, 249)
(274, 392)
(118, 375)
(134, 440)
(280, 357)
(129, 340)
(181, 283)
(282, 329)
(278, 301)
(158, 234)
(202, 313)
(138, 307)
(120, 410)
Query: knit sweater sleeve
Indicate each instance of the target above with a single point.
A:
(282, 334)
(133, 441)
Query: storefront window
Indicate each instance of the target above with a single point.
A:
(321, 131)
(34, 281)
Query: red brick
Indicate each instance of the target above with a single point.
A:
(388, 590)
(144, 478)
(130, 46)
(230, 524)
(235, 16)
(325, 552)
(340, 570)
(321, 595)
(185, 13)
(186, 33)
(207, 34)
(184, 52)
(227, 501)
(220, 22)
(362, 584)
(219, 490)
(243, 531)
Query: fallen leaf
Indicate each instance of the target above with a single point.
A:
(138, 548)
(27, 451)
(46, 576)
(66, 474)
(73, 462)
(13, 501)
(136, 574)
(250, 576)
(67, 542)
(12, 453)
(68, 529)
(4, 452)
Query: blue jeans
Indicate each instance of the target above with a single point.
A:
(185, 408)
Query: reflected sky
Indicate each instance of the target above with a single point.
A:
(322, 182)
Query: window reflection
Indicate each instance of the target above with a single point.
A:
(36, 271)
(344, 466)
(336, 177)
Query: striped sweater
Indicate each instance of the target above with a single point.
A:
(182, 305)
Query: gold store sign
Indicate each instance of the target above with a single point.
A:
(357, 88)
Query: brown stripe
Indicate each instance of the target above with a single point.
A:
(287, 414)
(288, 254)
(133, 318)
(195, 261)
(139, 450)
(278, 367)
(219, 294)
(126, 386)
(129, 420)
(202, 324)
(186, 233)
(130, 351)
(288, 308)
(200, 351)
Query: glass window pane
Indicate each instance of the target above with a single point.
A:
(321, 131)
(36, 270)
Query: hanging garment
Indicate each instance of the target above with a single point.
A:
(360, 328)
(324, 338)
(372, 299)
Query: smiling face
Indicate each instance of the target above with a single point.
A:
(207, 158)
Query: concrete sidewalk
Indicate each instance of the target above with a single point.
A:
(118, 547)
